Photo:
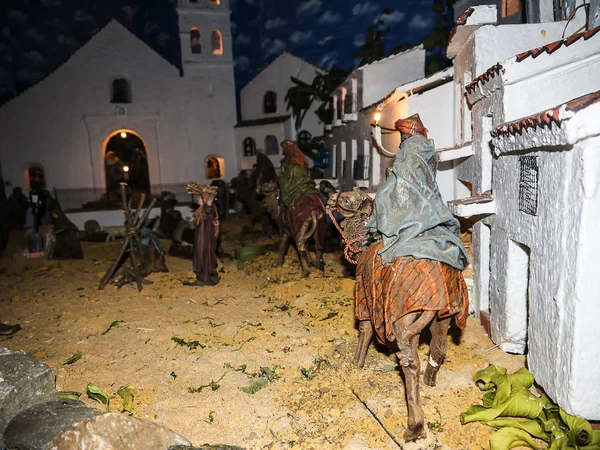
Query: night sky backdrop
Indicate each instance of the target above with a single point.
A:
(38, 35)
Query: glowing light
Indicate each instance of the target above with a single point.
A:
(123, 135)
(125, 168)
(377, 117)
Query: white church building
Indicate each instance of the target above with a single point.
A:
(265, 119)
(116, 87)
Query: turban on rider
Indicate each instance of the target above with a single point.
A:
(411, 125)
(293, 155)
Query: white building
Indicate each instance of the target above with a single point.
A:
(354, 160)
(265, 120)
(116, 84)
(534, 177)
(433, 98)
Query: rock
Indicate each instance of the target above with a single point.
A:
(35, 427)
(116, 431)
(24, 382)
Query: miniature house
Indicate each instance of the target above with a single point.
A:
(433, 98)
(354, 160)
(533, 174)
(117, 87)
(265, 119)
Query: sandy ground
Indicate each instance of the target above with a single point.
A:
(300, 331)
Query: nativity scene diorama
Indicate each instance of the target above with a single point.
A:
(401, 214)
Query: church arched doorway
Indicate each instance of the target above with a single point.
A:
(125, 160)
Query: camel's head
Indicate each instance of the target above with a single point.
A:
(351, 203)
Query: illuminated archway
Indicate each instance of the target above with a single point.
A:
(125, 160)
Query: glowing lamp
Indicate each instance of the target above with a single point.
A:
(123, 135)
(377, 117)
(125, 169)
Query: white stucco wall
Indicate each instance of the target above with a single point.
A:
(274, 77)
(63, 121)
(280, 130)
(381, 77)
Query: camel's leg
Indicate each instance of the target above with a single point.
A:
(407, 330)
(284, 244)
(365, 333)
(300, 240)
(437, 349)
(319, 238)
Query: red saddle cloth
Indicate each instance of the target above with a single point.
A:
(383, 294)
(292, 217)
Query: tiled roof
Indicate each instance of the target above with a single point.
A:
(546, 118)
(553, 46)
(263, 121)
(462, 20)
(533, 53)
(485, 76)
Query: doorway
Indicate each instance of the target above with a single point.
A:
(125, 160)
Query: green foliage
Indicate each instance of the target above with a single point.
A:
(127, 393)
(192, 345)
(113, 324)
(522, 417)
(72, 359)
(96, 393)
(437, 41)
(71, 395)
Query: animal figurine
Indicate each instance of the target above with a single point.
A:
(114, 232)
(307, 230)
(410, 277)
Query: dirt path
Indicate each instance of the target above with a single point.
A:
(299, 332)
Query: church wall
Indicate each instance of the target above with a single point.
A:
(62, 122)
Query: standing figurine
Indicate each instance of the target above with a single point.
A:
(206, 234)
(411, 277)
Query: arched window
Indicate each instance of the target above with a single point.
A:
(120, 91)
(270, 102)
(195, 43)
(214, 167)
(35, 178)
(271, 145)
(304, 138)
(217, 42)
(249, 147)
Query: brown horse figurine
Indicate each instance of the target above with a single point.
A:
(383, 304)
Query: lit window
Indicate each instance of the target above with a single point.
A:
(195, 43)
(217, 42)
(120, 91)
(270, 102)
(271, 145)
(215, 2)
(249, 147)
(214, 167)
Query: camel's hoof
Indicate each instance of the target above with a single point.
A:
(414, 433)
(430, 375)
(305, 273)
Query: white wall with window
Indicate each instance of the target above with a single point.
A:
(127, 86)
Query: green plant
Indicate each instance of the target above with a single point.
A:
(523, 417)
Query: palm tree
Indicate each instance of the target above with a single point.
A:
(437, 41)
(301, 97)
(374, 46)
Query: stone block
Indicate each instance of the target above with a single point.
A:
(24, 382)
(115, 431)
(34, 428)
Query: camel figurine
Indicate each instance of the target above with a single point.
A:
(409, 260)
